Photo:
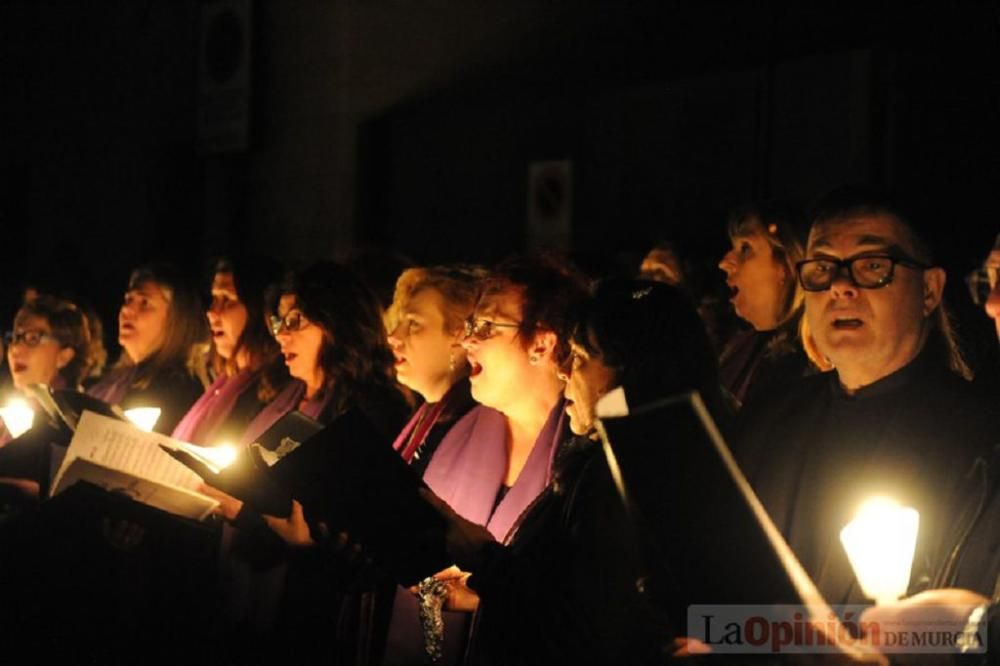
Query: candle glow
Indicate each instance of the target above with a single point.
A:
(880, 542)
(144, 418)
(17, 416)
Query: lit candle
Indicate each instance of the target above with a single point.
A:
(144, 418)
(17, 416)
(880, 543)
(221, 456)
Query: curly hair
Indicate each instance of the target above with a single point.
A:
(355, 354)
(69, 327)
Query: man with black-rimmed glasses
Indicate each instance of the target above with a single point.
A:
(896, 416)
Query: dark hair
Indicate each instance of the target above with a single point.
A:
(355, 353)
(69, 326)
(186, 330)
(253, 278)
(550, 287)
(853, 201)
(650, 334)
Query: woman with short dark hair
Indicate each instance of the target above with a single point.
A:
(564, 589)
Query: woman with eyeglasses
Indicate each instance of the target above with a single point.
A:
(329, 330)
(50, 345)
(760, 274)
(162, 333)
(563, 588)
(495, 461)
(245, 358)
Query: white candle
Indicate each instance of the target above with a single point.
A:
(144, 418)
(880, 542)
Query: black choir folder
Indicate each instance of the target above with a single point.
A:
(703, 534)
(348, 477)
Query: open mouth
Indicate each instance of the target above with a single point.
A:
(474, 368)
(400, 360)
(733, 290)
(847, 323)
(289, 357)
(19, 367)
(217, 333)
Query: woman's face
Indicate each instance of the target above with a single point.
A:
(587, 379)
(500, 371)
(227, 316)
(300, 340)
(34, 355)
(756, 281)
(143, 319)
(428, 358)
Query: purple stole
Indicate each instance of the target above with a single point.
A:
(286, 401)
(466, 471)
(114, 386)
(212, 409)
(469, 465)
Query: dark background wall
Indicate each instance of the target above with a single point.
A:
(412, 126)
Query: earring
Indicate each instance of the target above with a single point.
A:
(451, 361)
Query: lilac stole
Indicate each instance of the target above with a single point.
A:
(213, 407)
(469, 465)
(286, 401)
(466, 471)
(114, 386)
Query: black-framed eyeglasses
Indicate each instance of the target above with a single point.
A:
(484, 329)
(869, 271)
(30, 337)
(290, 323)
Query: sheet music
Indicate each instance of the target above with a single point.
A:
(121, 446)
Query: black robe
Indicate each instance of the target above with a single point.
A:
(815, 453)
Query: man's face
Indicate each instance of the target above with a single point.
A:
(869, 333)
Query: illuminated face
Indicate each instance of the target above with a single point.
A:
(661, 266)
(869, 333)
(500, 371)
(301, 342)
(34, 356)
(227, 316)
(587, 379)
(756, 281)
(142, 320)
(428, 358)
(993, 300)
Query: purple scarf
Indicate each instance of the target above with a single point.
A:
(213, 408)
(286, 401)
(468, 468)
(466, 471)
(114, 386)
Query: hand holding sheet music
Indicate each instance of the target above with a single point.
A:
(119, 457)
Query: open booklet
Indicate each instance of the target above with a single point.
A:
(117, 456)
(347, 477)
(701, 527)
